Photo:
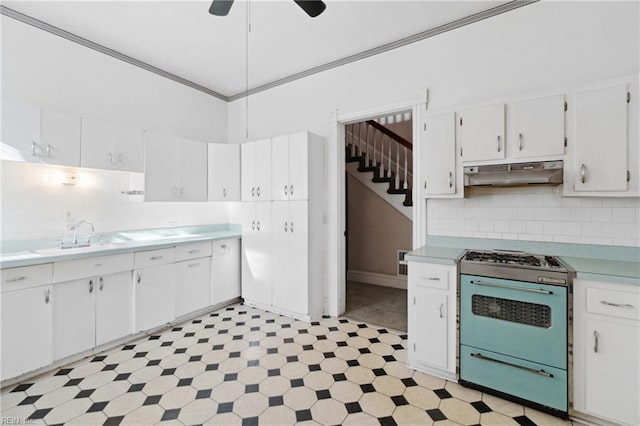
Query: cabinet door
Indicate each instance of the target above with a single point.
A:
(281, 261)
(256, 253)
(114, 307)
(297, 285)
(225, 271)
(263, 170)
(128, 148)
(439, 155)
(97, 145)
(482, 133)
(280, 163)
(224, 172)
(193, 170)
(74, 317)
(160, 167)
(27, 331)
(430, 326)
(20, 132)
(154, 296)
(248, 171)
(612, 370)
(538, 127)
(299, 166)
(601, 139)
(60, 138)
(193, 285)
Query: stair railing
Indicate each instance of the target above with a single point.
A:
(382, 148)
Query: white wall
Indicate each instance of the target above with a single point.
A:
(546, 46)
(42, 69)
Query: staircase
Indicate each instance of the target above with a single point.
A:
(385, 154)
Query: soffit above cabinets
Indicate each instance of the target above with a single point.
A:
(183, 39)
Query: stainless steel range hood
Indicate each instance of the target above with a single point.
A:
(515, 174)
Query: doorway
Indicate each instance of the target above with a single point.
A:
(378, 217)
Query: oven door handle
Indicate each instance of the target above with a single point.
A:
(511, 287)
(530, 370)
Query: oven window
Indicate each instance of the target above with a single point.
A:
(511, 310)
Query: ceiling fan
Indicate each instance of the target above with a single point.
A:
(313, 8)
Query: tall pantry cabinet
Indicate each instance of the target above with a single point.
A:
(282, 262)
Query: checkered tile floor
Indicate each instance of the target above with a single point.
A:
(242, 365)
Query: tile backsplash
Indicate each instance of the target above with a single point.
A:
(536, 214)
(33, 205)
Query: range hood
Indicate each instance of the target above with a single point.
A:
(515, 174)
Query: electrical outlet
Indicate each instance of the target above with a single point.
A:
(67, 215)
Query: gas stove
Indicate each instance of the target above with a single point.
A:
(516, 265)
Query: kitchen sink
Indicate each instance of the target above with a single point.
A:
(58, 251)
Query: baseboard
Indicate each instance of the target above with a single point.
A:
(377, 279)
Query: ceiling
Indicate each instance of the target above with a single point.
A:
(181, 37)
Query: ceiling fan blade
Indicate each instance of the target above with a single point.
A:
(313, 8)
(220, 7)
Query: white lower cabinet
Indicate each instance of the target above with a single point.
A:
(154, 296)
(432, 318)
(225, 271)
(27, 331)
(193, 285)
(114, 307)
(606, 351)
(74, 317)
(256, 253)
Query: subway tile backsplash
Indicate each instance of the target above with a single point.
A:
(32, 207)
(536, 214)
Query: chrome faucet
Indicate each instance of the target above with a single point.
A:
(74, 227)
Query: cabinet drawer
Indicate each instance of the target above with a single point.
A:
(615, 303)
(193, 251)
(25, 277)
(430, 275)
(155, 257)
(92, 266)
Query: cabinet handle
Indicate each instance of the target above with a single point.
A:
(155, 257)
(285, 189)
(253, 225)
(12, 280)
(450, 179)
(194, 251)
(595, 341)
(139, 277)
(432, 278)
(224, 192)
(33, 148)
(181, 191)
(193, 265)
(285, 227)
(425, 184)
(223, 247)
(583, 173)
(499, 146)
(253, 192)
(258, 225)
(90, 286)
(291, 227)
(175, 192)
(120, 159)
(101, 283)
(291, 189)
(617, 305)
(47, 296)
(97, 265)
(258, 191)
(441, 308)
(110, 158)
(48, 150)
(520, 141)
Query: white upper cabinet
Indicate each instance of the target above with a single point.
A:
(290, 167)
(538, 127)
(482, 133)
(600, 162)
(175, 168)
(439, 156)
(109, 146)
(256, 171)
(59, 138)
(224, 172)
(20, 132)
(280, 175)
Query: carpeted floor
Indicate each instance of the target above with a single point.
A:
(384, 306)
